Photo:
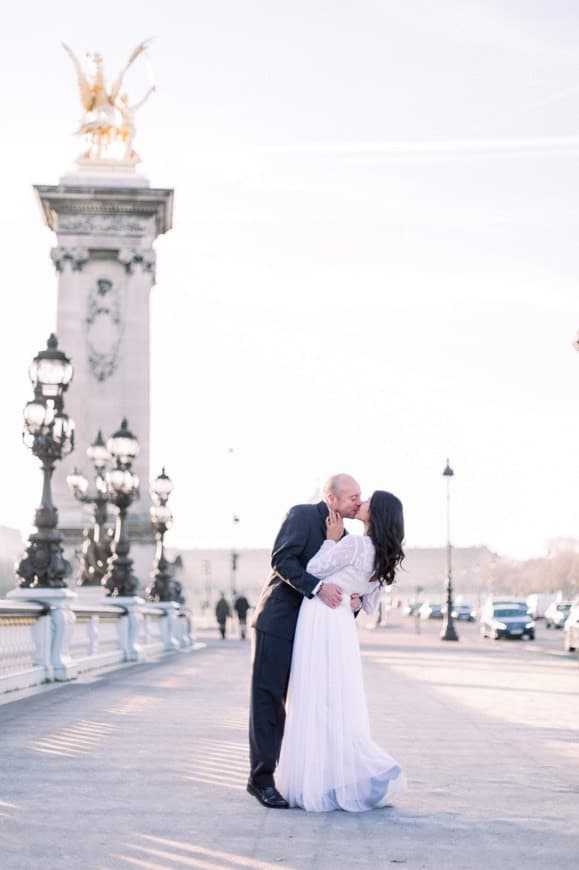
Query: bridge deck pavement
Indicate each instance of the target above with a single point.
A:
(146, 766)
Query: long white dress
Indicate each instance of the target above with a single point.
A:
(328, 760)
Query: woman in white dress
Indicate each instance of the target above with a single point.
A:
(328, 760)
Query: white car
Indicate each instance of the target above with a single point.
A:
(557, 613)
(462, 612)
(571, 630)
(430, 610)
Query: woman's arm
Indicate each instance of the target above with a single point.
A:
(371, 600)
(335, 555)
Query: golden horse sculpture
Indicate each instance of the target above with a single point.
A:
(108, 120)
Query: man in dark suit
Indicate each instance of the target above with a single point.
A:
(300, 537)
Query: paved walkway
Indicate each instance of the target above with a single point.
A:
(145, 767)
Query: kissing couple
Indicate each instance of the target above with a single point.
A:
(309, 718)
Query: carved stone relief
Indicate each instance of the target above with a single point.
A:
(101, 224)
(76, 257)
(135, 257)
(104, 329)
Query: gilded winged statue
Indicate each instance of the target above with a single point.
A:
(108, 120)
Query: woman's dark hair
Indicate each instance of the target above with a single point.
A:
(386, 531)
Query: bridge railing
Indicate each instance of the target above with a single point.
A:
(20, 627)
(43, 641)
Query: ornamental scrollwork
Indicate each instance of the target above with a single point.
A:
(75, 257)
(104, 329)
(44, 565)
(132, 257)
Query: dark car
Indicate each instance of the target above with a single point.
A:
(507, 622)
(521, 606)
(510, 603)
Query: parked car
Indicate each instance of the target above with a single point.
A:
(430, 610)
(463, 612)
(507, 622)
(556, 614)
(571, 630)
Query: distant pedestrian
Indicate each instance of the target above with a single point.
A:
(416, 615)
(222, 614)
(241, 607)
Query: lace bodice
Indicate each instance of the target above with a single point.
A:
(349, 563)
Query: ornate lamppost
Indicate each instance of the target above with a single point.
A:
(234, 560)
(49, 433)
(96, 548)
(163, 587)
(448, 631)
(122, 490)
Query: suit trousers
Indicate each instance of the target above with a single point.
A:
(269, 683)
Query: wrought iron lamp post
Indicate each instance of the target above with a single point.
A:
(234, 560)
(123, 490)
(49, 433)
(96, 548)
(163, 587)
(448, 631)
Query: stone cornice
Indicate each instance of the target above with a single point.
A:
(142, 202)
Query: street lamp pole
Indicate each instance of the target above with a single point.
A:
(164, 587)
(234, 558)
(123, 490)
(448, 631)
(96, 547)
(49, 433)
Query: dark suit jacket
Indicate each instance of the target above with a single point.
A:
(300, 537)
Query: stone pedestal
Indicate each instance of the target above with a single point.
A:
(170, 629)
(105, 226)
(129, 626)
(52, 633)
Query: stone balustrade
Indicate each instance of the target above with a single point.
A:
(55, 639)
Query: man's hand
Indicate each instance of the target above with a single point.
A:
(355, 602)
(334, 526)
(330, 594)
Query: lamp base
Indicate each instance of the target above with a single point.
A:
(448, 631)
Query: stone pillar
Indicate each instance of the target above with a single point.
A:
(53, 633)
(170, 625)
(128, 626)
(104, 259)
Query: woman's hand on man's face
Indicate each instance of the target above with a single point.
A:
(334, 526)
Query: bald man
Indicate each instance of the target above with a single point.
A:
(300, 537)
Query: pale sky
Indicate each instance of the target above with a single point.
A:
(373, 264)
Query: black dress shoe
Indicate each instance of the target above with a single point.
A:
(268, 796)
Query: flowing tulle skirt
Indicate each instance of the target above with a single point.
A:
(328, 760)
